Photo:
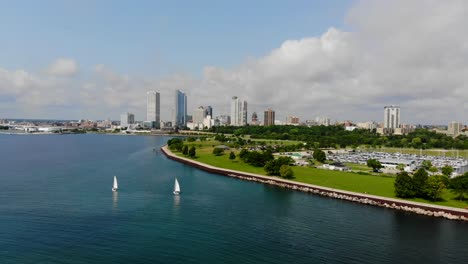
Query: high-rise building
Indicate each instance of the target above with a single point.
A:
(238, 112)
(292, 120)
(234, 111)
(391, 118)
(243, 113)
(198, 116)
(269, 118)
(180, 113)
(127, 119)
(209, 111)
(454, 128)
(153, 108)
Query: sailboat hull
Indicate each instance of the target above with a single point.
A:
(114, 189)
(175, 192)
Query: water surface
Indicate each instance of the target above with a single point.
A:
(56, 206)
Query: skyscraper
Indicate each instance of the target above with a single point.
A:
(238, 112)
(391, 118)
(209, 111)
(243, 113)
(269, 118)
(234, 111)
(180, 114)
(153, 108)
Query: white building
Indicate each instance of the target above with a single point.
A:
(234, 111)
(322, 121)
(410, 165)
(153, 108)
(238, 112)
(391, 118)
(127, 119)
(198, 117)
(454, 128)
(367, 125)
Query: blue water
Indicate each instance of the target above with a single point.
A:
(56, 206)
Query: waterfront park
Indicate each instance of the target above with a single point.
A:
(360, 178)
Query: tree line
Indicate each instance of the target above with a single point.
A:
(337, 136)
(422, 185)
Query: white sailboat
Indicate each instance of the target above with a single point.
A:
(115, 187)
(176, 187)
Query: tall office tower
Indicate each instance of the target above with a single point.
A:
(269, 118)
(180, 113)
(234, 111)
(243, 113)
(153, 108)
(209, 111)
(127, 119)
(454, 128)
(391, 118)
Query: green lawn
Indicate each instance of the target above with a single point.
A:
(358, 167)
(349, 181)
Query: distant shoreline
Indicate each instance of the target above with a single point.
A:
(398, 204)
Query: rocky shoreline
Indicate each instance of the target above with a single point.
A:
(407, 206)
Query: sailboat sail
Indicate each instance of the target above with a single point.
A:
(115, 186)
(176, 187)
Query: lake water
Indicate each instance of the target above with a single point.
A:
(56, 206)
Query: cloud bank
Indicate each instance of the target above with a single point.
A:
(410, 53)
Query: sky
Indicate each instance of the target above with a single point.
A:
(344, 59)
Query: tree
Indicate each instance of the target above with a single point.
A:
(175, 144)
(185, 150)
(426, 164)
(434, 186)
(192, 153)
(273, 167)
(319, 155)
(374, 164)
(232, 156)
(433, 169)
(404, 186)
(447, 170)
(419, 181)
(459, 185)
(286, 172)
(243, 154)
(218, 151)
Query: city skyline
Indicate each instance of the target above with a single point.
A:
(340, 59)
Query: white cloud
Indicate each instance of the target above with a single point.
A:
(406, 52)
(63, 67)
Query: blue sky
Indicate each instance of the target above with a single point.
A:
(156, 37)
(344, 59)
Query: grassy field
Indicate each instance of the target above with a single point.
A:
(349, 181)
